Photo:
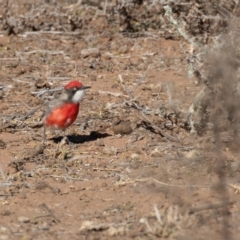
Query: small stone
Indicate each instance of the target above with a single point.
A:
(42, 83)
(1, 94)
(3, 230)
(99, 142)
(45, 226)
(2, 144)
(5, 213)
(135, 156)
(235, 166)
(121, 127)
(23, 219)
(104, 184)
(113, 231)
(135, 61)
(86, 225)
(156, 153)
(107, 56)
(123, 49)
(93, 52)
(4, 237)
(110, 150)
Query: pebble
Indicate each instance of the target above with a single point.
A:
(23, 219)
(90, 52)
(135, 156)
(156, 153)
(122, 128)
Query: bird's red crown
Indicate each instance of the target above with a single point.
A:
(72, 84)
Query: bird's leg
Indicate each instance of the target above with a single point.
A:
(44, 135)
(65, 139)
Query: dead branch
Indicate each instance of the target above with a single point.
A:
(41, 51)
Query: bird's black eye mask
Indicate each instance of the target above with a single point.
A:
(75, 89)
(71, 91)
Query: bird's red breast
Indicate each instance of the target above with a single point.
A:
(63, 116)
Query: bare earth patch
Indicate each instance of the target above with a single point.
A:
(136, 168)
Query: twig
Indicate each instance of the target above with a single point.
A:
(5, 184)
(66, 177)
(50, 212)
(159, 130)
(124, 88)
(177, 186)
(49, 32)
(151, 179)
(169, 15)
(107, 169)
(41, 51)
(209, 206)
(20, 81)
(112, 93)
(43, 91)
(157, 214)
(59, 78)
(31, 112)
(133, 102)
(9, 59)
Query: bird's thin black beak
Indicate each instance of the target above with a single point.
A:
(85, 87)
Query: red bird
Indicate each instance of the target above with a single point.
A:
(62, 111)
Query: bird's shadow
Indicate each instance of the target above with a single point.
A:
(76, 138)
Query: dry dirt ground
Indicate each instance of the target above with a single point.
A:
(133, 169)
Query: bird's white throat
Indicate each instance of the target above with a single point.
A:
(78, 96)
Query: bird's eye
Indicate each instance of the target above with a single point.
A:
(75, 89)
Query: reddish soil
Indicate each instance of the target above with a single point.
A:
(154, 181)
